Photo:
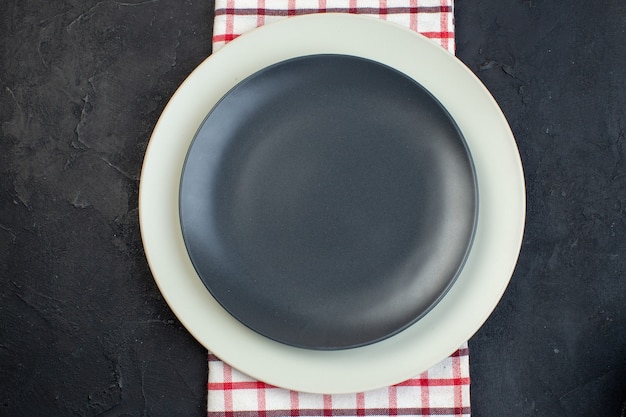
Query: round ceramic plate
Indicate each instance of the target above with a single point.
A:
(465, 306)
(328, 201)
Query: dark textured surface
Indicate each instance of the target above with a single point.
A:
(84, 330)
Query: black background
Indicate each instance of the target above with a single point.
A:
(84, 330)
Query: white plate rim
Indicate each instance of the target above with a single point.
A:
(487, 270)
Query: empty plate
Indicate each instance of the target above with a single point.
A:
(441, 330)
(328, 201)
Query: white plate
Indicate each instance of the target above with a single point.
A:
(452, 321)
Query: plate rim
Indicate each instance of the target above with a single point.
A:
(457, 316)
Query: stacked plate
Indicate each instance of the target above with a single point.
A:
(332, 203)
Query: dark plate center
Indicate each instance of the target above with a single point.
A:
(328, 202)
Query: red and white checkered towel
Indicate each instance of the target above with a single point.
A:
(432, 18)
(443, 390)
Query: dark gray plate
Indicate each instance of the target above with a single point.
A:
(328, 202)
